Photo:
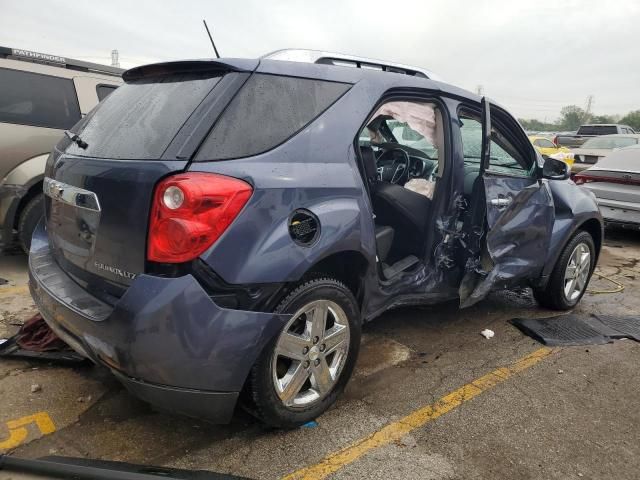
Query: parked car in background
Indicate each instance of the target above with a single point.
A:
(238, 254)
(615, 181)
(547, 147)
(596, 148)
(41, 96)
(587, 131)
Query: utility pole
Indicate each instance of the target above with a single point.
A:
(115, 62)
(480, 90)
(587, 110)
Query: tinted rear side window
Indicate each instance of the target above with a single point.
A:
(103, 91)
(139, 119)
(598, 130)
(267, 111)
(40, 100)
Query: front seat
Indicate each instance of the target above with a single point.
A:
(407, 212)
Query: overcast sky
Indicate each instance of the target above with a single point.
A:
(533, 57)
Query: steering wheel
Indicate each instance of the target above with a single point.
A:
(398, 171)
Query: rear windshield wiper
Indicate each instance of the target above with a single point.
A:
(75, 138)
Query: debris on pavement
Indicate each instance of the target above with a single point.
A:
(35, 340)
(486, 333)
(408, 441)
(575, 329)
(35, 388)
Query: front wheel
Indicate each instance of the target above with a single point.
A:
(305, 368)
(571, 274)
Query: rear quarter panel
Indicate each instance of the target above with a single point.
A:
(315, 170)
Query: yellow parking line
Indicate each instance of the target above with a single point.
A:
(14, 290)
(396, 430)
(18, 433)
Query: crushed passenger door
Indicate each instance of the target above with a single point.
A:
(513, 235)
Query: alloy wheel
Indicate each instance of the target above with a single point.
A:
(577, 272)
(310, 354)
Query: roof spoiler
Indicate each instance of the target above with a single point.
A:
(190, 66)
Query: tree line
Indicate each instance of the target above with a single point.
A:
(572, 116)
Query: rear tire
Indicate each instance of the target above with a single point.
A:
(28, 221)
(569, 280)
(304, 369)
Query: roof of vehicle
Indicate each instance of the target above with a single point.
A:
(325, 71)
(347, 60)
(538, 137)
(58, 61)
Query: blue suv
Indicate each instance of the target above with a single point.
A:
(218, 231)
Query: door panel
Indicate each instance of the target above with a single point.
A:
(519, 217)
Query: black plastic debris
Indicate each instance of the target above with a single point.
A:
(627, 327)
(575, 329)
(36, 341)
(570, 329)
(3, 281)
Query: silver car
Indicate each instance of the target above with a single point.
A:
(615, 181)
(596, 148)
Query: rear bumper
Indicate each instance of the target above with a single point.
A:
(619, 213)
(165, 339)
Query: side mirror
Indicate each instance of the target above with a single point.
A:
(555, 169)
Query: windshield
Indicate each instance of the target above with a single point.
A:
(608, 142)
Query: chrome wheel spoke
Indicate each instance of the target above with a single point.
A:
(336, 338)
(292, 346)
(585, 261)
(318, 320)
(321, 377)
(292, 383)
(569, 287)
(570, 273)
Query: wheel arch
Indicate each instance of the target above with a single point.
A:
(33, 190)
(348, 266)
(594, 228)
(592, 225)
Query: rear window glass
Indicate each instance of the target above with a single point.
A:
(267, 111)
(40, 100)
(138, 120)
(597, 130)
(103, 91)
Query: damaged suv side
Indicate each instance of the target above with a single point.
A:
(221, 229)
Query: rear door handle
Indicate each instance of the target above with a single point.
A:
(500, 202)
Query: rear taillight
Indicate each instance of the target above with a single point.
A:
(582, 178)
(555, 140)
(190, 212)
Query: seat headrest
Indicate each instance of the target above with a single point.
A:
(369, 162)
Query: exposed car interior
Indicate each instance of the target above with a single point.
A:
(401, 147)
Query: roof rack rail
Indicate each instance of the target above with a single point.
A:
(343, 60)
(57, 61)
